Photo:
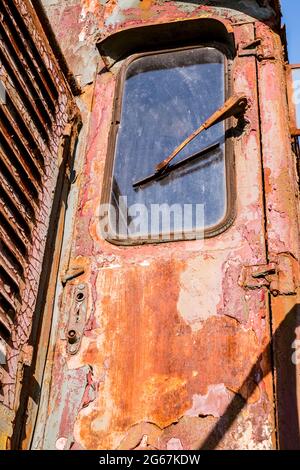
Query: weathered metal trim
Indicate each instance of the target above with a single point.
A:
(282, 224)
(27, 415)
(77, 317)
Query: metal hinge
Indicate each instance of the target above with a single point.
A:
(256, 49)
(77, 318)
(250, 49)
(72, 274)
(280, 277)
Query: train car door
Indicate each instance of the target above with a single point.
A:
(164, 343)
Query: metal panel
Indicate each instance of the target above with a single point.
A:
(282, 219)
(173, 348)
(176, 350)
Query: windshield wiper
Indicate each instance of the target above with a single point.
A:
(234, 106)
(169, 169)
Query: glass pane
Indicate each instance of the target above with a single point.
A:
(165, 98)
(296, 86)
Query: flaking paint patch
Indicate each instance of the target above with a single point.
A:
(214, 403)
(245, 437)
(137, 434)
(250, 195)
(88, 6)
(124, 4)
(200, 290)
(115, 18)
(146, 380)
(118, 13)
(174, 444)
(101, 419)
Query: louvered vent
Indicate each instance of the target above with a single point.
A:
(22, 162)
(32, 118)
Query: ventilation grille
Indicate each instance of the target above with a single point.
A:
(28, 107)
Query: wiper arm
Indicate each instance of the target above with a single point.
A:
(235, 106)
(163, 173)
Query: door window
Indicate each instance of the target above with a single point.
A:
(164, 97)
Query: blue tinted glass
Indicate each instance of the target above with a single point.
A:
(165, 98)
(296, 85)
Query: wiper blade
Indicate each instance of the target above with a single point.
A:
(236, 105)
(165, 172)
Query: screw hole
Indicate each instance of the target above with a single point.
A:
(275, 293)
(72, 336)
(80, 296)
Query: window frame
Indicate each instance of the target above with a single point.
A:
(295, 131)
(230, 176)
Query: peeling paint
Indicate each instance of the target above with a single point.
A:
(214, 403)
(174, 444)
(194, 306)
(175, 353)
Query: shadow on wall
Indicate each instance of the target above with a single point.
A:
(288, 434)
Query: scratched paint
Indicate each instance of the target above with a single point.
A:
(175, 354)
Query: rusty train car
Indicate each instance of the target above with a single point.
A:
(118, 331)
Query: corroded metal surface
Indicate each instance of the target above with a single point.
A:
(282, 218)
(35, 112)
(176, 352)
(79, 24)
